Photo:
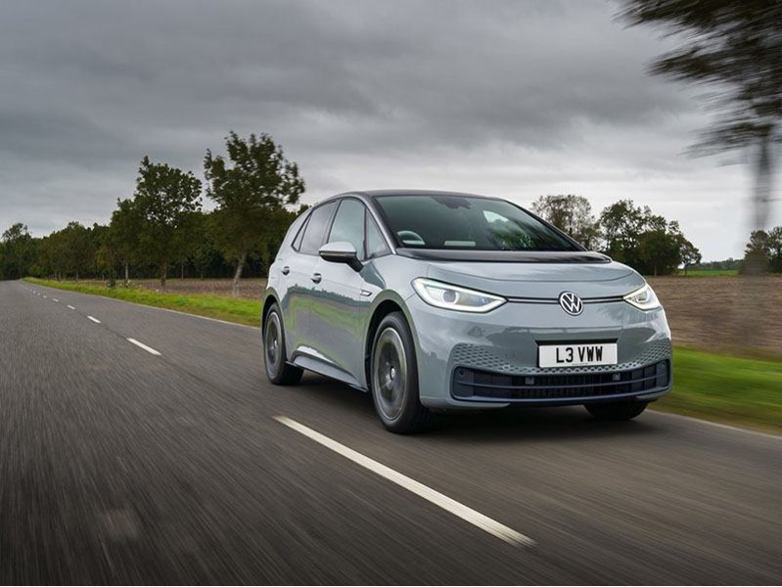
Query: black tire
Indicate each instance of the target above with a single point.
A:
(616, 411)
(394, 378)
(278, 370)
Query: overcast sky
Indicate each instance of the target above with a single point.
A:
(515, 99)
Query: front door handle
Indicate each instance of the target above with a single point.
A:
(316, 277)
(285, 270)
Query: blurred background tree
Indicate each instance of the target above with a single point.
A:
(17, 252)
(735, 48)
(251, 190)
(570, 213)
(164, 198)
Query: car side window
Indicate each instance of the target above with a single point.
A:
(375, 243)
(299, 236)
(348, 225)
(316, 228)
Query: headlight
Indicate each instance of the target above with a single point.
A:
(452, 297)
(643, 298)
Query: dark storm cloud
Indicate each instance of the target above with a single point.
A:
(362, 94)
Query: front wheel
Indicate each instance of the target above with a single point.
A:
(278, 370)
(616, 411)
(394, 377)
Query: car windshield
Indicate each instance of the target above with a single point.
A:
(466, 223)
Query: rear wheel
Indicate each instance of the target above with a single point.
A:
(278, 370)
(616, 411)
(394, 378)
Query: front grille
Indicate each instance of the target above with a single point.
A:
(475, 384)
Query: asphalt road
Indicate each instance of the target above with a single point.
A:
(118, 465)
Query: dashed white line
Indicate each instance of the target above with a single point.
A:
(44, 297)
(452, 506)
(55, 300)
(94, 319)
(141, 345)
(71, 307)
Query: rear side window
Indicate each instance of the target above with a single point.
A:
(297, 241)
(315, 231)
(348, 225)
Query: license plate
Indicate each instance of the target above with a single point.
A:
(577, 355)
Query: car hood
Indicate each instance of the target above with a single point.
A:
(539, 279)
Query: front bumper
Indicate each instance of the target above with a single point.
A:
(490, 360)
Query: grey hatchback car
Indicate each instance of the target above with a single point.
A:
(437, 301)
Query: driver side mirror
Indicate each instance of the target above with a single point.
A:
(341, 252)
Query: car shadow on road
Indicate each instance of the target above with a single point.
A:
(504, 425)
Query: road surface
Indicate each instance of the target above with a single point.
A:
(169, 458)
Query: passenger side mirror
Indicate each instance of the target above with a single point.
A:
(341, 252)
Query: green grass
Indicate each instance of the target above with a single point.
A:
(722, 388)
(241, 311)
(709, 273)
(725, 388)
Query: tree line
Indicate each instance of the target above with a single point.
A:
(163, 228)
(630, 234)
(163, 225)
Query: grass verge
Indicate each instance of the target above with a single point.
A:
(725, 388)
(237, 310)
(717, 387)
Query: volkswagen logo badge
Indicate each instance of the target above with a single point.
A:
(571, 303)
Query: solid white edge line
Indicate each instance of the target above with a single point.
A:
(141, 345)
(452, 506)
(94, 319)
(71, 307)
(717, 424)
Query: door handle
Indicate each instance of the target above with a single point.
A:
(285, 270)
(316, 277)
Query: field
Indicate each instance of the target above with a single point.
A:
(722, 313)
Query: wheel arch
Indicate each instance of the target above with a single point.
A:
(383, 308)
(269, 300)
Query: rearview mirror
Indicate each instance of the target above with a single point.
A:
(341, 252)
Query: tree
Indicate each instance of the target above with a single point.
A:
(77, 254)
(775, 249)
(757, 253)
(18, 252)
(164, 197)
(124, 231)
(646, 241)
(735, 48)
(249, 192)
(689, 253)
(659, 252)
(571, 214)
(620, 225)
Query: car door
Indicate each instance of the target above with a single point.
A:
(339, 317)
(298, 268)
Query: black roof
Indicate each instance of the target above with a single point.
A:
(376, 193)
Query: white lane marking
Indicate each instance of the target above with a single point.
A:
(94, 319)
(44, 297)
(71, 307)
(141, 345)
(55, 300)
(718, 425)
(452, 506)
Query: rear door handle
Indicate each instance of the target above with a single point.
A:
(316, 277)
(285, 270)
